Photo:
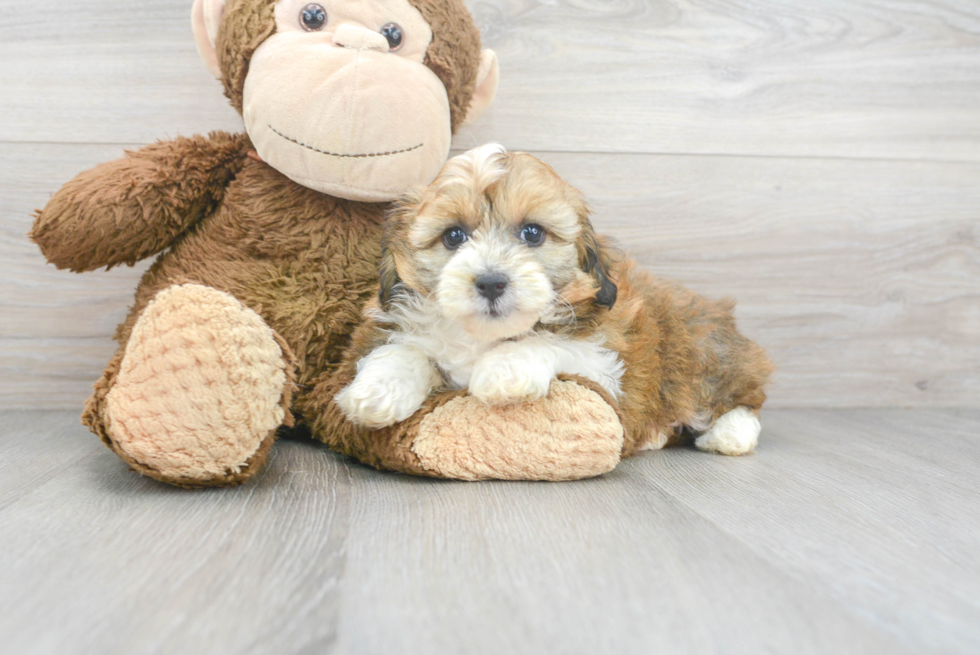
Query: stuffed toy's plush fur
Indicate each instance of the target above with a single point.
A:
(268, 248)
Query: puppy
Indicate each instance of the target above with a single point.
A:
(493, 280)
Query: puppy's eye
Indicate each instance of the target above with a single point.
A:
(393, 32)
(454, 237)
(313, 17)
(532, 235)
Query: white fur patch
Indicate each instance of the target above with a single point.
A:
(392, 383)
(528, 297)
(479, 168)
(497, 372)
(507, 375)
(523, 370)
(735, 433)
(448, 346)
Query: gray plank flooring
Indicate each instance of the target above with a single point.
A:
(850, 531)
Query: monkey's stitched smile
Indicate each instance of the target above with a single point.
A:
(337, 154)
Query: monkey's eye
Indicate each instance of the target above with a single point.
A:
(313, 17)
(532, 235)
(454, 237)
(393, 32)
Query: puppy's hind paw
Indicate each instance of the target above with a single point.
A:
(735, 433)
(506, 380)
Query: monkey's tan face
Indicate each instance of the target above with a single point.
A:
(496, 242)
(339, 100)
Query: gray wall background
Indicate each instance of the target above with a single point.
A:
(818, 161)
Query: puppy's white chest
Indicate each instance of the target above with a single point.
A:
(457, 367)
(452, 350)
(524, 366)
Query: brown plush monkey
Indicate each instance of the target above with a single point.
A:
(244, 322)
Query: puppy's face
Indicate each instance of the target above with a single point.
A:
(499, 242)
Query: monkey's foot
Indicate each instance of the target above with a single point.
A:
(571, 434)
(200, 391)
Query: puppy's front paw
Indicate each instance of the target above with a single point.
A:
(508, 379)
(377, 402)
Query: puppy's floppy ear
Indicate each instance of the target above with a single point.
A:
(397, 219)
(388, 274)
(594, 260)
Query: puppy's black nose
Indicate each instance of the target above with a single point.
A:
(492, 285)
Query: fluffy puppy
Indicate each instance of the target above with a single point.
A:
(493, 280)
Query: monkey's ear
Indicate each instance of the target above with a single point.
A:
(388, 276)
(487, 79)
(595, 262)
(206, 19)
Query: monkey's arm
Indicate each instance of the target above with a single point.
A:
(126, 210)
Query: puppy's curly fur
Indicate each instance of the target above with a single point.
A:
(493, 279)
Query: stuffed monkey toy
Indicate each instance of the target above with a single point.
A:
(268, 245)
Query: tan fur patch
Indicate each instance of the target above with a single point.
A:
(200, 387)
(579, 290)
(657, 441)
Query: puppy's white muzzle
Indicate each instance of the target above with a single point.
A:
(496, 290)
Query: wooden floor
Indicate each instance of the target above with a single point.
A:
(850, 531)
